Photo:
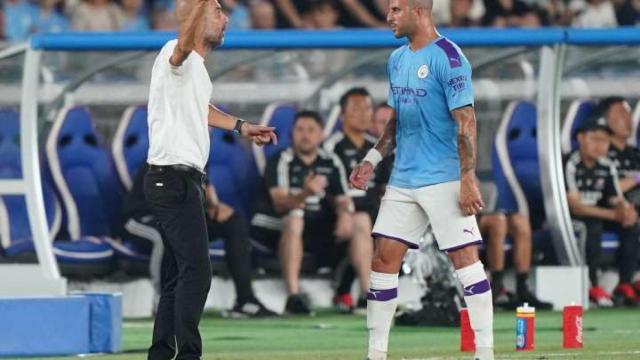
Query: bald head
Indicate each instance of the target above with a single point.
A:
(427, 4)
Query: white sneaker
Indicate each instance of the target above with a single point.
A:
(483, 354)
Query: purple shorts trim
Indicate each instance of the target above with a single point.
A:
(382, 295)
(478, 288)
(409, 244)
(477, 242)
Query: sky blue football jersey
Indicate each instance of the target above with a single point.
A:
(424, 86)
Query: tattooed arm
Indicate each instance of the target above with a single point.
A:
(470, 199)
(362, 172)
(387, 142)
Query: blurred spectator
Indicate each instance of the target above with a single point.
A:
(304, 195)
(97, 15)
(289, 13)
(364, 13)
(461, 13)
(19, 18)
(594, 13)
(134, 19)
(238, 14)
(322, 14)
(628, 12)
(381, 116)
(504, 13)
(617, 112)
(164, 20)
(597, 203)
(263, 15)
(2, 36)
(50, 17)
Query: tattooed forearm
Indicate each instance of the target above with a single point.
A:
(466, 119)
(387, 142)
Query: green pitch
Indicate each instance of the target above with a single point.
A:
(608, 334)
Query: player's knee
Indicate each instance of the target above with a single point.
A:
(293, 225)
(384, 263)
(464, 257)
(520, 225)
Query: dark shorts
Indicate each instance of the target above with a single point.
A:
(318, 237)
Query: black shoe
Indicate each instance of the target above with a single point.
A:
(504, 299)
(529, 297)
(297, 306)
(250, 309)
(361, 306)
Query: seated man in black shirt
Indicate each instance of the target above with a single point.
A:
(141, 228)
(351, 145)
(596, 202)
(304, 195)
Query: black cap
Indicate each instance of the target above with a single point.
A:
(594, 124)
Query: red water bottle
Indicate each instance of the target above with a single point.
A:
(467, 337)
(572, 327)
(525, 327)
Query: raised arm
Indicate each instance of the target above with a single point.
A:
(190, 16)
(470, 199)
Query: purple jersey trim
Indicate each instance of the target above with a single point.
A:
(408, 243)
(476, 242)
(478, 288)
(382, 295)
(452, 53)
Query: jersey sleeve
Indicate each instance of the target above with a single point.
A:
(272, 178)
(338, 179)
(455, 76)
(612, 188)
(570, 180)
(391, 101)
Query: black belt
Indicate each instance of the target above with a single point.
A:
(178, 167)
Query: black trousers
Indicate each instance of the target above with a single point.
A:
(176, 198)
(235, 232)
(627, 252)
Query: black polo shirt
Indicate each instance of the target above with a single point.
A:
(287, 171)
(596, 185)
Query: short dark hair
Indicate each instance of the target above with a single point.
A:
(309, 114)
(605, 104)
(361, 91)
(382, 105)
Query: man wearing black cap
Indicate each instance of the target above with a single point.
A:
(596, 202)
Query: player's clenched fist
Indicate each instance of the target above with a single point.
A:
(315, 184)
(360, 175)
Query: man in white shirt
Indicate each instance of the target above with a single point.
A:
(179, 116)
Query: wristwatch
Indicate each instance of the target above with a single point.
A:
(238, 128)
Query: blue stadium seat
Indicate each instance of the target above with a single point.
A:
(131, 143)
(230, 169)
(516, 168)
(86, 180)
(281, 116)
(579, 111)
(15, 232)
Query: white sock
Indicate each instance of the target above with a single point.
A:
(477, 295)
(382, 300)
